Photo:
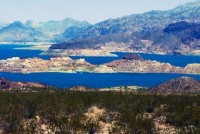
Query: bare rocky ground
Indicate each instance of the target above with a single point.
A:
(99, 120)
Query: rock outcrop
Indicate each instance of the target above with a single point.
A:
(145, 66)
(132, 57)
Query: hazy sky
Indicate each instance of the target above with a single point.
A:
(89, 10)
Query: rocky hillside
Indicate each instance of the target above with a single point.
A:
(98, 42)
(180, 37)
(147, 32)
(179, 85)
(100, 46)
(6, 84)
(143, 22)
(73, 32)
(18, 32)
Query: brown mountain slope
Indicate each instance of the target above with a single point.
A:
(179, 85)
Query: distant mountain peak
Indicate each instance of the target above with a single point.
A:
(18, 32)
(190, 6)
(17, 24)
(14, 25)
(197, 2)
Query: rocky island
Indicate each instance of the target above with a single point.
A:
(31, 65)
(131, 63)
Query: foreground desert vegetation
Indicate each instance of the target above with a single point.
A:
(64, 111)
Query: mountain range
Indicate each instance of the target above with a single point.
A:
(18, 32)
(52, 28)
(31, 31)
(173, 31)
(150, 32)
(152, 20)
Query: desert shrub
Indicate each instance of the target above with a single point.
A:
(64, 109)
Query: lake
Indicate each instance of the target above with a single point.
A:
(8, 51)
(64, 80)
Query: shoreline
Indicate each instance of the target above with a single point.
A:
(33, 77)
(44, 46)
(85, 72)
(26, 43)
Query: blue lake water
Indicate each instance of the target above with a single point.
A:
(65, 80)
(9, 51)
(177, 60)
